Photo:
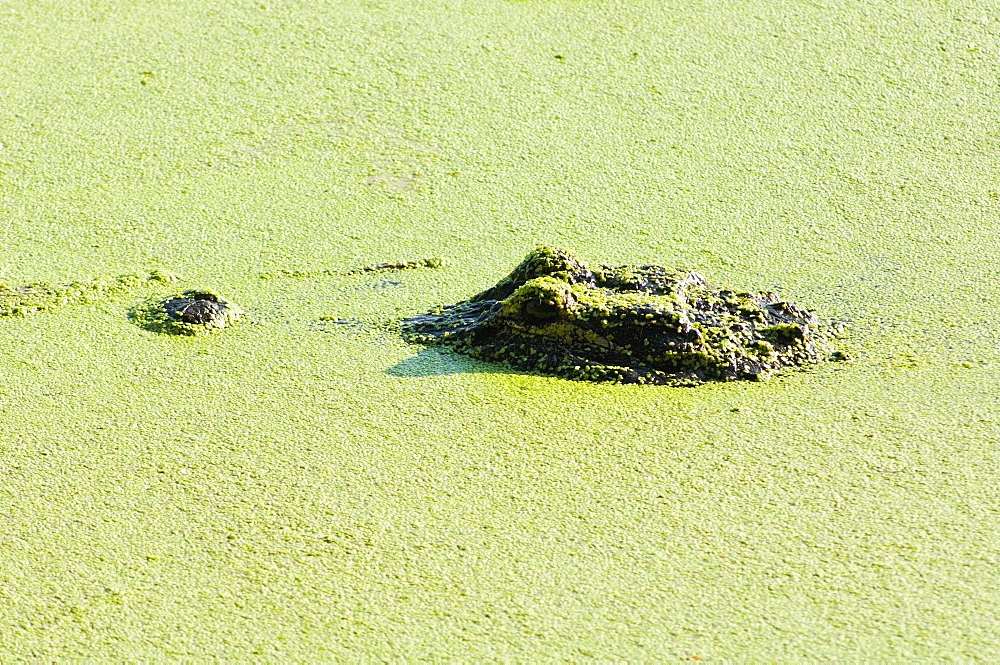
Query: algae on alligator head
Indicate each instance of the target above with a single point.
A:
(629, 324)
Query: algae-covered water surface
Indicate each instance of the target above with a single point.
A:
(303, 484)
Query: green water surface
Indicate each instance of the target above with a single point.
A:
(298, 489)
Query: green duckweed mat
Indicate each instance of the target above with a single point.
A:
(306, 486)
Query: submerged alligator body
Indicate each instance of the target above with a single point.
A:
(631, 324)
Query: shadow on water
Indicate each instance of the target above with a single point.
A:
(431, 362)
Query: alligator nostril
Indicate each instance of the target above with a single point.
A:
(187, 313)
(199, 311)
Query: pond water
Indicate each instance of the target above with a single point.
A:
(306, 485)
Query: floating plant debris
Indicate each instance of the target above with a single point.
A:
(375, 267)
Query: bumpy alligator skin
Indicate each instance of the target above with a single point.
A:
(631, 324)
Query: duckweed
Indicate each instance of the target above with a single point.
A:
(43, 296)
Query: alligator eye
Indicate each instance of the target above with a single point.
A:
(539, 310)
